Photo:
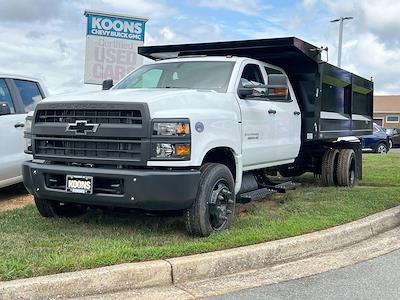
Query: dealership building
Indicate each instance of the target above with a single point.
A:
(387, 111)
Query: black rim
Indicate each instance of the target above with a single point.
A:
(220, 205)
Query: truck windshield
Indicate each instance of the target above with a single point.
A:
(203, 75)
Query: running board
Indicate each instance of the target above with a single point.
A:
(255, 195)
(283, 187)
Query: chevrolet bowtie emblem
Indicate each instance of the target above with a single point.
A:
(82, 127)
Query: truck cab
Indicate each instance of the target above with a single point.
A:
(18, 96)
(196, 133)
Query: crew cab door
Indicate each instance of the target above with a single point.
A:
(20, 96)
(287, 121)
(270, 129)
(258, 142)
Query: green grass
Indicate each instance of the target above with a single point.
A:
(32, 246)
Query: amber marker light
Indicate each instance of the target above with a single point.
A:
(280, 91)
(182, 150)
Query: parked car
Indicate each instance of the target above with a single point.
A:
(378, 141)
(18, 96)
(394, 135)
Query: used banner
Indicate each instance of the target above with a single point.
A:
(111, 46)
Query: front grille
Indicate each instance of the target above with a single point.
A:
(91, 116)
(88, 148)
(121, 137)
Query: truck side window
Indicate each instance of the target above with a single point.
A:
(30, 93)
(5, 95)
(251, 75)
(272, 71)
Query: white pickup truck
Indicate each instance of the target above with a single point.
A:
(18, 96)
(199, 132)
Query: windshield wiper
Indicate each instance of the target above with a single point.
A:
(175, 87)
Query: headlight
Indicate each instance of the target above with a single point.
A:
(179, 128)
(171, 151)
(28, 135)
(171, 139)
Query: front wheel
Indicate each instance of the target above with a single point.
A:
(214, 206)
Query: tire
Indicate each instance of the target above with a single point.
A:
(214, 207)
(328, 168)
(291, 172)
(346, 168)
(49, 209)
(381, 148)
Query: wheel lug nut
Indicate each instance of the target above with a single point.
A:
(220, 197)
(226, 192)
(228, 211)
(230, 201)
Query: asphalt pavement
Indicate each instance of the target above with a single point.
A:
(378, 278)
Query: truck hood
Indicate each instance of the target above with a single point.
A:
(129, 95)
(162, 102)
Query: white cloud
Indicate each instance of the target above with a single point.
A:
(369, 57)
(249, 7)
(143, 8)
(309, 3)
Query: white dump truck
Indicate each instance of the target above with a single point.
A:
(199, 129)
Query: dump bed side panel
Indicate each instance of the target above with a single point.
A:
(344, 104)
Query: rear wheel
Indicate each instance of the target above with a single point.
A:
(381, 148)
(49, 208)
(214, 207)
(328, 169)
(346, 168)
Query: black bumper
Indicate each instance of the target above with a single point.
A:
(141, 188)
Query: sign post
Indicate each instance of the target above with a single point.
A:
(112, 42)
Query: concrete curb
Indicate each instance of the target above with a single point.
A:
(89, 282)
(199, 266)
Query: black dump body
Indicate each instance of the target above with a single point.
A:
(334, 102)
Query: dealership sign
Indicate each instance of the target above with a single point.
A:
(111, 46)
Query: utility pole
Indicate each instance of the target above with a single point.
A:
(340, 20)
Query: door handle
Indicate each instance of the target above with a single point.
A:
(19, 124)
(296, 113)
(272, 111)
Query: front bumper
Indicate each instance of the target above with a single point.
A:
(140, 188)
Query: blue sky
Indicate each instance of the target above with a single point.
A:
(46, 38)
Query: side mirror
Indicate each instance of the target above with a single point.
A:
(108, 84)
(277, 79)
(4, 109)
(278, 87)
(244, 92)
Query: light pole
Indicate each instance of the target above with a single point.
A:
(341, 19)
